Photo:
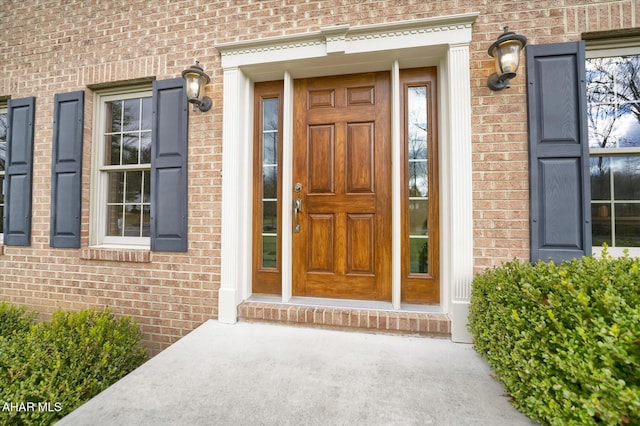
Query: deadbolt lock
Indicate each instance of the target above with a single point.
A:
(297, 187)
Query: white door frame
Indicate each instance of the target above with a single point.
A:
(442, 42)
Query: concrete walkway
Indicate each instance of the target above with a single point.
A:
(261, 374)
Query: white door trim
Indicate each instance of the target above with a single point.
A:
(438, 41)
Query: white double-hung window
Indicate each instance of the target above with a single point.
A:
(121, 180)
(613, 102)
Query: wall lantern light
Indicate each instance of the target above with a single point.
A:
(195, 80)
(506, 51)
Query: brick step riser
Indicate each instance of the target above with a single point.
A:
(425, 324)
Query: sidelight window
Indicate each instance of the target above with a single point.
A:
(267, 199)
(420, 234)
(418, 185)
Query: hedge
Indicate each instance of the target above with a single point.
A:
(563, 339)
(48, 369)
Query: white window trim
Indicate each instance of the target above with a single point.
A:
(3, 110)
(99, 184)
(601, 49)
(440, 41)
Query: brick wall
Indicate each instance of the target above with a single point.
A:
(61, 46)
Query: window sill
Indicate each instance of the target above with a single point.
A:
(116, 254)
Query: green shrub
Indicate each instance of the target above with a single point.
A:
(563, 339)
(62, 363)
(14, 319)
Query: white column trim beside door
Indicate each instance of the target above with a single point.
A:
(287, 185)
(235, 244)
(396, 191)
(459, 186)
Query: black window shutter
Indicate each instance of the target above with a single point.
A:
(19, 171)
(169, 166)
(66, 169)
(558, 152)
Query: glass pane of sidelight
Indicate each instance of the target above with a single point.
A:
(418, 215)
(270, 216)
(419, 255)
(418, 178)
(269, 181)
(269, 251)
(269, 148)
(417, 122)
(270, 114)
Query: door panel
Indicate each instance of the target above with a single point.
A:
(360, 244)
(321, 159)
(320, 243)
(342, 160)
(360, 166)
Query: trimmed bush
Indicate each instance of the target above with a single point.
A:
(55, 366)
(14, 319)
(563, 339)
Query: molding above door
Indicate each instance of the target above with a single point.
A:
(345, 49)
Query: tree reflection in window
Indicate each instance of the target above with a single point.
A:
(613, 105)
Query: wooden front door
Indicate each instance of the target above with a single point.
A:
(342, 182)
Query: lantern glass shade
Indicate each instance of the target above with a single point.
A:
(194, 84)
(195, 80)
(508, 57)
(506, 53)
